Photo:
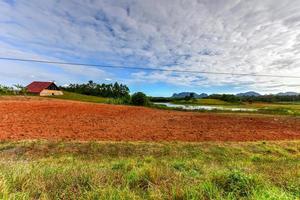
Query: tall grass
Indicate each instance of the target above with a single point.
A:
(110, 170)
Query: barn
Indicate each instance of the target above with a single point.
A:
(43, 88)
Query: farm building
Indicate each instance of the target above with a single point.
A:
(43, 88)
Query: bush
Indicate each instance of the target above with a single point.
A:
(139, 99)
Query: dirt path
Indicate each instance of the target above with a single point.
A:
(34, 119)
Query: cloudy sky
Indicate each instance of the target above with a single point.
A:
(235, 36)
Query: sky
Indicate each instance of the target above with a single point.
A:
(232, 36)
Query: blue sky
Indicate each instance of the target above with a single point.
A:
(237, 36)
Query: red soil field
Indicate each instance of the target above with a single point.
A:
(68, 120)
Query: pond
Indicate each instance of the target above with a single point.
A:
(202, 107)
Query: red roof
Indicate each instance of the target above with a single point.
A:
(37, 87)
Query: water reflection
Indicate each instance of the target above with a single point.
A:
(200, 107)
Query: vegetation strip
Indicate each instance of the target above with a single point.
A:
(137, 170)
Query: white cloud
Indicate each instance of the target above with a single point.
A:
(237, 36)
(24, 72)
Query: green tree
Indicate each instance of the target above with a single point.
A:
(139, 99)
(115, 90)
(21, 89)
(189, 97)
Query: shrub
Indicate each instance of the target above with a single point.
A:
(139, 99)
(126, 99)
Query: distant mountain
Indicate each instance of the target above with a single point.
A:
(288, 94)
(248, 94)
(185, 94)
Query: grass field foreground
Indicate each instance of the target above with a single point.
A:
(110, 170)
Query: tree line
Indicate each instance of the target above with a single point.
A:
(115, 90)
(225, 97)
(16, 90)
(264, 98)
(270, 98)
(234, 99)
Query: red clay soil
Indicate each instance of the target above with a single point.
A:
(67, 120)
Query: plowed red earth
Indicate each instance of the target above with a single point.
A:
(67, 120)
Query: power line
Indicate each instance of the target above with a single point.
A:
(146, 69)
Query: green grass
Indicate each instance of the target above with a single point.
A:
(82, 97)
(112, 170)
(290, 102)
(74, 97)
(212, 102)
(87, 98)
(275, 108)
